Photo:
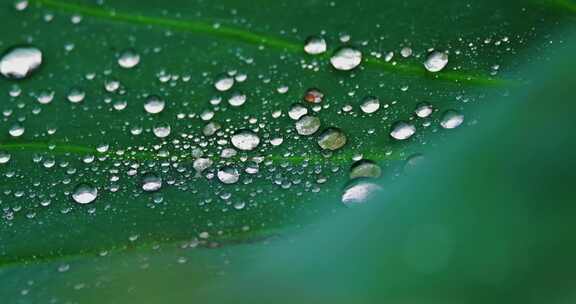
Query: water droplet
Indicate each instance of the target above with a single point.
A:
(402, 130)
(151, 182)
(129, 59)
(237, 99)
(359, 191)
(211, 128)
(161, 130)
(365, 168)
(297, 111)
(76, 95)
(315, 45)
(16, 130)
(20, 62)
(436, 61)
(307, 125)
(451, 119)
(4, 157)
(423, 110)
(245, 140)
(370, 105)
(84, 194)
(45, 97)
(332, 139)
(346, 59)
(224, 83)
(314, 96)
(406, 52)
(154, 104)
(228, 175)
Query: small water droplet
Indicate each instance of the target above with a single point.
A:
(161, 130)
(16, 130)
(370, 105)
(297, 111)
(20, 62)
(365, 168)
(129, 59)
(436, 61)
(346, 59)
(154, 104)
(75, 95)
(315, 45)
(151, 182)
(307, 125)
(451, 119)
(314, 96)
(84, 194)
(245, 140)
(423, 110)
(224, 83)
(332, 139)
(4, 157)
(237, 99)
(402, 130)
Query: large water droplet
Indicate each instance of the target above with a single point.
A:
(75, 95)
(332, 139)
(297, 111)
(4, 157)
(151, 182)
(315, 45)
(245, 140)
(346, 59)
(436, 61)
(20, 62)
(402, 130)
(84, 194)
(129, 59)
(451, 119)
(307, 125)
(423, 110)
(224, 82)
(154, 104)
(161, 130)
(359, 191)
(228, 175)
(237, 99)
(365, 168)
(16, 130)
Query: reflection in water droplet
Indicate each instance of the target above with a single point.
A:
(315, 45)
(84, 194)
(228, 175)
(154, 104)
(151, 182)
(436, 61)
(359, 191)
(451, 119)
(20, 62)
(346, 59)
(332, 139)
(307, 125)
(129, 59)
(245, 140)
(402, 130)
(314, 96)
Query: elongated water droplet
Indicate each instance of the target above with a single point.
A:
(332, 139)
(297, 111)
(161, 130)
(84, 194)
(451, 119)
(359, 191)
(346, 59)
(245, 140)
(20, 62)
(423, 110)
(151, 182)
(402, 130)
(315, 45)
(436, 61)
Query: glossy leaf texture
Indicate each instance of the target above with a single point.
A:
(197, 234)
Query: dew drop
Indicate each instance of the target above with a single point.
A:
(436, 61)
(161, 130)
(307, 125)
(332, 139)
(84, 194)
(154, 104)
(346, 59)
(402, 130)
(315, 45)
(297, 111)
(129, 59)
(423, 110)
(4, 157)
(370, 105)
(314, 96)
(228, 175)
(359, 191)
(245, 140)
(451, 119)
(75, 95)
(45, 97)
(365, 168)
(16, 130)
(151, 182)
(237, 99)
(20, 62)
(224, 83)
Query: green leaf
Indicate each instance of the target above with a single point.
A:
(197, 236)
